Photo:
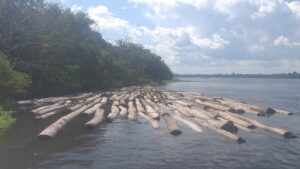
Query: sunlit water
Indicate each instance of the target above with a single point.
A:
(122, 145)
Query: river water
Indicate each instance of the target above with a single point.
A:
(125, 145)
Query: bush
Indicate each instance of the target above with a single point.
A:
(6, 119)
(12, 83)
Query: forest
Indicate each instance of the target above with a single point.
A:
(48, 50)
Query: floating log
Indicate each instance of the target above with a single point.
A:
(113, 114)
(150, 111)
(123, 111)
(283, 112)
(52, 130)
(190, 124)
(171, 124)
(97, 119)
(131, 111)
(92, 110)
(154, 123)
(51, 109)
(193, 110)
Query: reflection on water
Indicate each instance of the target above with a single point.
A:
(130, 145)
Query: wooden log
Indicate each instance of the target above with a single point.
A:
(228, 116)
(123, 111)
(131, 111)
(203, 115)
(51, 109)
(113, 114)
(171, 124)
(189, 123)
(96, 120)
(150, 111)
(139, 106)
(154, 123)
(92, 110)
(54, 128)
(277, 131)
(227, 134)
(283, 112)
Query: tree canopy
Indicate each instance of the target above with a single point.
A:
(63, 54)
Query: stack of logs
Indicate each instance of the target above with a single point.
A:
(196, 111)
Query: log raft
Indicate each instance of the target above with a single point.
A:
(196, 111)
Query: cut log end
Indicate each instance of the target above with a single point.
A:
(176, 132)
(289, 135)
(44, 137)
(241, 140)
(270, 111)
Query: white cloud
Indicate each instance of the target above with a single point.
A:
(254, 48)
(76, 8)
(171, 3)
(226, 6)
(284, 41)
(215, 42)
(294, 7)
(264, 7)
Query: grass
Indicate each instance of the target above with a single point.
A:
(6, 120)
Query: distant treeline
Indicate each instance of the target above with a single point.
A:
(293, 75)
(52, 51)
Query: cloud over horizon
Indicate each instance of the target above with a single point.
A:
(201, 36)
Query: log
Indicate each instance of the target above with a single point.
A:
(123, 111)
(131, 111)
(54, 128)
(283, 112)
(277, 131)
(150, 111)
(92, 110)
(201, 114)
(96, 120)
(171, 124)
(227, 134)
(50, 109)
(113, 114)
(190, 124)
(154, 123)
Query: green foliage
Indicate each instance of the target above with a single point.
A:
(63, 54)
(6, 119)
(12, 83)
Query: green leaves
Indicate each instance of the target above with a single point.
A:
(12, 83)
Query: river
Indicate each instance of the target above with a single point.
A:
(126, 145)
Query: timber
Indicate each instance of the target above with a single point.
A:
(196, 111)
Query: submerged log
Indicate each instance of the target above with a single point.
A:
(97, 119)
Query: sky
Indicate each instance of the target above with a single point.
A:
(204, 36)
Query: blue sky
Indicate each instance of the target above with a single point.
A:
(204, 36)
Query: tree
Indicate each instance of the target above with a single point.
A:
(12, 83)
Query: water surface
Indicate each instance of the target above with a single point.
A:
(122, 144)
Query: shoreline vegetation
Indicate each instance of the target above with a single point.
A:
(49, 50)
(6, 119)
(293, 75)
